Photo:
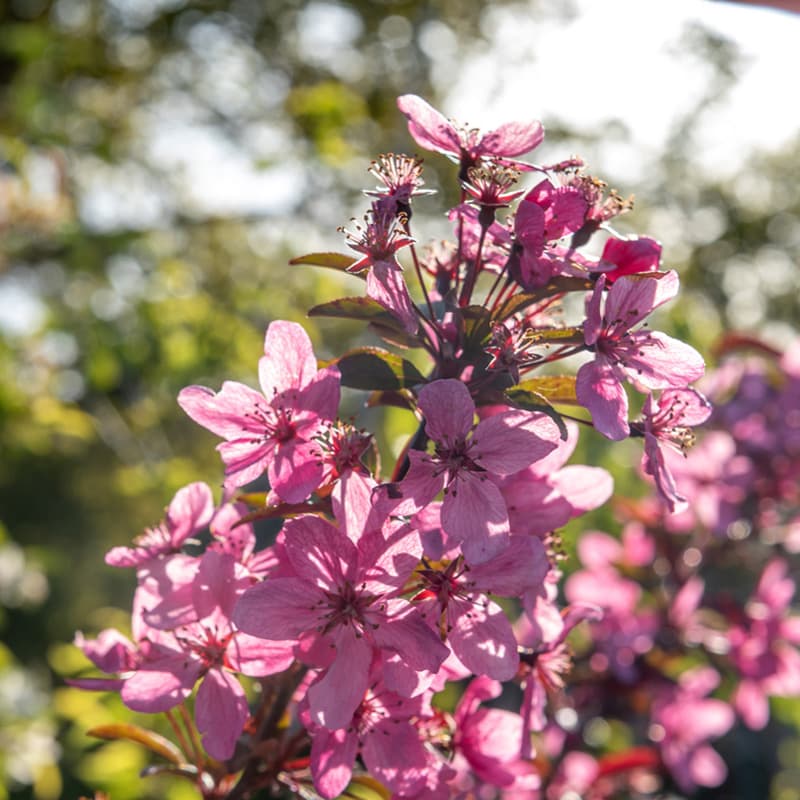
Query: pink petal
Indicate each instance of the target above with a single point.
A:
(449, 410)
(190, 510)
(288, 362)
(428, 127)
(661, 362)
(630, 256)
(319, 553)
(474, 514)
(160, 685)
(508, 442)
(584, 488)
(278, 609)
(511, 139)
(334, 698)
(599, 390)
(333, 754)
(597, 549)
(245, 459)
(258, 657)
(233, 411)
(386, 285)
(395, 756)
(319, 398)
(631, 299)
(220, 713)
(752, 705)
(706, 766)
(481, 636)
(295, 470)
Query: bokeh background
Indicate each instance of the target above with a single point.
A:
(160, 162)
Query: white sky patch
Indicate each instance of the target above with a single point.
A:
(624, 59)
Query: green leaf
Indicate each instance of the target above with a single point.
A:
(362, 308)
(553, 388)
(533, 401)
(337, 261)
(477, 326)
(364, 787)
(558, 285)
(374, 368)
(399, 399)
(153, 741)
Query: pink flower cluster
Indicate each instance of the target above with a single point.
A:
(321, 655)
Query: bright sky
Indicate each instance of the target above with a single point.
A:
(628, 59)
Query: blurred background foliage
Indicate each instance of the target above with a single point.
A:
(160, 162)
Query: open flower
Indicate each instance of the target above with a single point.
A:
(466, 459)
(647, 359)
(274, 431)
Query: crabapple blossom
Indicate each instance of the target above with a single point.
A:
(648, 359)
(274, 431)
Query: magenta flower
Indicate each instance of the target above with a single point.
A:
(338, 592)
(383, 733)
(486, 743)
(546, 658)
(476, 628)
(683, 720)
(274, 431)
(764, 648)
(378, 242)
(190, 511)
(433, 131)
(630, 256)
(466, 459)
(648, 359)
(547, 494)
(667, 421)
(209, 649)
(545, 215)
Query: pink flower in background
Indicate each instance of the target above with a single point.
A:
(274, 431)
(433, 131)
(683, 720)
(764, 647)
(648, 359)
(211, 649)
(190, 511)
(466, 460)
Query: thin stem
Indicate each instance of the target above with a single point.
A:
(180, 735)
(196, 746)
(472, 271)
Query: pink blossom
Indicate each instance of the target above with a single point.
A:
(383, 733)
(209, 649)
(190, 511)
(649, 360)
(434, 132)
(338, 592)
(668, 420)
(764, 647)
(274, 431)
(466, 459)
(683, 720)
(485, 742)
(476, 628)
(546, 659)
(545, 215)
(378, 240)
